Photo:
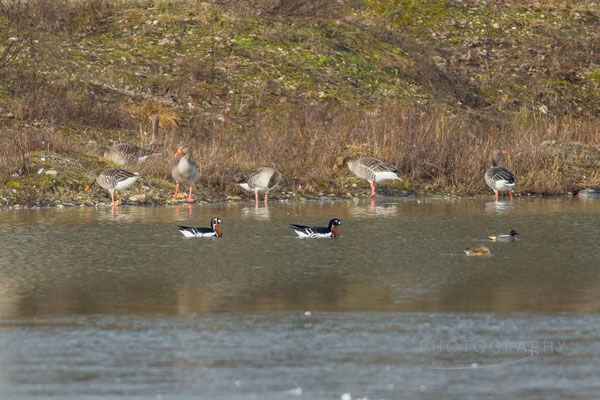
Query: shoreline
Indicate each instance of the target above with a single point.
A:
(237, 200)
(51, 179)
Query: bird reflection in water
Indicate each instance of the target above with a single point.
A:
(257, 212)
(499, 207)
(183, 209)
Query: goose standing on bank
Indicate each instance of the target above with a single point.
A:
(127, 154)
(498, 178)
(262, 180)
(123, 153)
(185, 172)
(369, 168)
(330, 231)
(213, 231)
(113, 180)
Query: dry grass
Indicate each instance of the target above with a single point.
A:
(19, 140)
(438, 152)
(235, 124)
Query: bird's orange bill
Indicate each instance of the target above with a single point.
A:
(335, 167)
(178, 153)
(149, 116)
(86, 187)
(504, 152)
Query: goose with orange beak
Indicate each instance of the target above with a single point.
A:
(185, 172)
(114, 180)
(370, 169)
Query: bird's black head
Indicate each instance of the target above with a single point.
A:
(514, 233)
(215, 221)
(334, 222)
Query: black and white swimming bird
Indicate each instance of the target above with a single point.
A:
(509, 237)
(369, 168)
(498, 178)
(113, 180)
(330, 231)
(213, 231)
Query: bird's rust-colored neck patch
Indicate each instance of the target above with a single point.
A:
(335, 232)
(218, 230)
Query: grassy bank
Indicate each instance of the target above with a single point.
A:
(432, 86)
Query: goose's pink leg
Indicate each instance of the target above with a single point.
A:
(495, 191)
(266, 195)
(119, 203)
(176, 190)
(373, 194)
(256, 198)
(189, 198)
(112, 198)
(510, 194)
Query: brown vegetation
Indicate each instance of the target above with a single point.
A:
(294, 84)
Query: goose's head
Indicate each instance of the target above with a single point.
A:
(496, 153)
(101, 151)
(334, 222)
(90, 179)
(514, 233)
(341, 161)
(215, 221)
(185, 150)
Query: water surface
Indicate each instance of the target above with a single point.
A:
(115, 303)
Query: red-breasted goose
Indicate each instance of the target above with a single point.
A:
(330, 231)
(213, 231)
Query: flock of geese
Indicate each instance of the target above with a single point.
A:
(264, 179)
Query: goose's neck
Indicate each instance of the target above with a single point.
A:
(494, 159)
(185, 160)
(352, 164)
(155, 122)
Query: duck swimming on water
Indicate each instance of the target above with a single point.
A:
(213, 231)
(330, 231)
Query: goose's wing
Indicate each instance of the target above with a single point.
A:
(253, 177)
(109, 178)
(274, 179)
(376, 165)
(119, 174)
(500, 174)
(130, 150)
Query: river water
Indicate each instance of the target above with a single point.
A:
(101, 303)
